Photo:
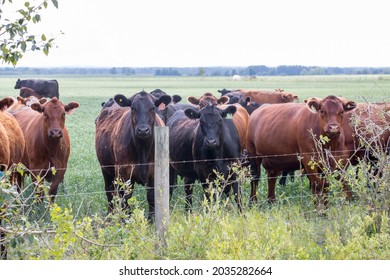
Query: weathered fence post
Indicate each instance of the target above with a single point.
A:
(161, 184)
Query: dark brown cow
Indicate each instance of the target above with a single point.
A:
(124, 144)
(26, 92)
(281, 134)
(47, 141)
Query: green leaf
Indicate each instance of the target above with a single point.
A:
(55, 3)
(23, 46)
(43, 37)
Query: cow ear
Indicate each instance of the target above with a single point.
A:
(192, 113)
(313, 104)
(248, 101)
(193, 100)
(37, 107)
(164, 99)
(230, 110)
(21, 100)
(223, 100)
(176, 98)
(70, 107)
(348, 106)
(5, 103)
(122, 100)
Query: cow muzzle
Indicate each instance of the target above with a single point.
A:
(143, 131)
(56, 133)
(333, 130)
(211, 142)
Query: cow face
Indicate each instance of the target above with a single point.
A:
(331, 113)
(143, 111)
(54, 113)
(18, 84)
(208, 99)
(235, 97)
(210, 122)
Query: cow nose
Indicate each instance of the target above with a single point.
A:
(211, 142)
(143, 130)
(55, 133)
(334, 128)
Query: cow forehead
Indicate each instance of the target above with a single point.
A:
(210, 113)
(332, 105)
(142, 100)
(54, 106)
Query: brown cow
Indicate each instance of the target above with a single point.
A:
(11, 151)
(273, 97)
(368, 128)
(14, 143)
(280, 137)
(124, 143)
(207, 98)
(47, 141)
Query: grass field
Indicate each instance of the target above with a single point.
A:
(288, 230)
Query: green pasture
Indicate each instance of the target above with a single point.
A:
(291, 229)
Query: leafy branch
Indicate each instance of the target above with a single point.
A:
(15, 38)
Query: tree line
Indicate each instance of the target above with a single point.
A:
(255, 70)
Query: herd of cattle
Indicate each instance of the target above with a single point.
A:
(271, 129)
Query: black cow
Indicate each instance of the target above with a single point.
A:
(202, 141)
(158, 93)
(124, 145)
(44, 88)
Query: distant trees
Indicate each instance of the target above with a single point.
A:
(15, 37)
(167, 72)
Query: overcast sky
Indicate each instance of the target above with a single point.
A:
(138, 33)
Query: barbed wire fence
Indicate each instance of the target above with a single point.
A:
(24, 205)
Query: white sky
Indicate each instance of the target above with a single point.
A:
(138, 33)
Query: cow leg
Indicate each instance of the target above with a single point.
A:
(109, 187)
(237, 196)
(188, 185)
(150, 198)
(272, 177)
(57, 179)
(255, 166)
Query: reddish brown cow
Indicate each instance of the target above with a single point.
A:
(12, 139)
(273, 97)
(207, 98)
(367, 131)
(281, 134)
(11, 152)
(47, 141)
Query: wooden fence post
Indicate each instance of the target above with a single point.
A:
(161, 184)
